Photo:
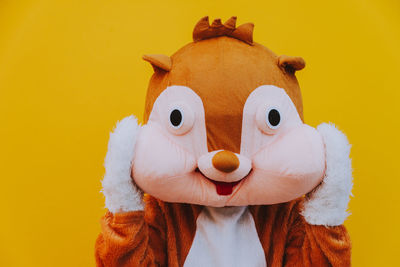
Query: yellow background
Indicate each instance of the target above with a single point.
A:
(70, 69)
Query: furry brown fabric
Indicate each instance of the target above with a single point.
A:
(162, 236)
(159, 236)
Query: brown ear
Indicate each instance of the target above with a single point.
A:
(291, 64)
(162, 62)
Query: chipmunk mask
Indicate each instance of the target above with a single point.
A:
(223, 124)
(225, 160)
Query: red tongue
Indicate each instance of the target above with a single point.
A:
(225, 189)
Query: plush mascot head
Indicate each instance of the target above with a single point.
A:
(224, 124)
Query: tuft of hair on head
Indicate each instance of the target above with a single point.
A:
(203, 30)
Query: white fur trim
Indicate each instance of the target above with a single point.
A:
(225, 237)
(327, 205)
(122, 195)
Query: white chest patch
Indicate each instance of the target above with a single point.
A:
(226, 237)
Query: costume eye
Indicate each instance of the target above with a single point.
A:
(273, 118)
(180, 118)
(269, 119)
(176, 118)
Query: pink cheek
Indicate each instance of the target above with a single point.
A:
(290, 166)
(157, 158)
(297, 153)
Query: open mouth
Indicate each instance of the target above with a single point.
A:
(223, 188)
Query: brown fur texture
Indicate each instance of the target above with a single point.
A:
(223, 70)
(162, 236)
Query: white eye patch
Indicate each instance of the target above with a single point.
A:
(178, 113)
(267, 111)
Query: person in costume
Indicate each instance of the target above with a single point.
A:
(224, 171)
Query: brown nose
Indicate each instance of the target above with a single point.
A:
(225, 161)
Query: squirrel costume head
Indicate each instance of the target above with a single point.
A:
(224, 124)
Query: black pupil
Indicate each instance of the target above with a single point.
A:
(175, 117)
(274, 117)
